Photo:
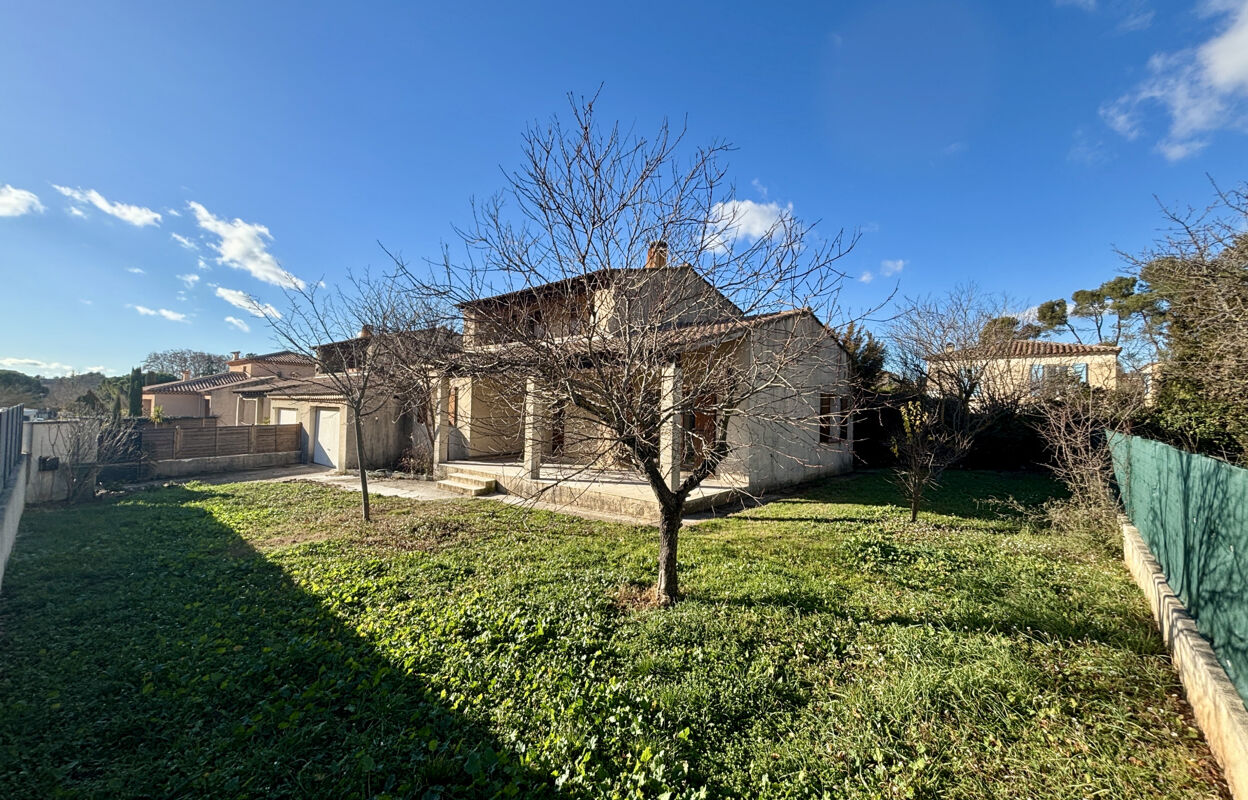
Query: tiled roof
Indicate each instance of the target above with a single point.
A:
(317, 386)
(598, 275)
(204, 383)
(280, 357)
(1031, 348)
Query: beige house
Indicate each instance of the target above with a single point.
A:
(1023, 367)
(217, 395)
(505, 430)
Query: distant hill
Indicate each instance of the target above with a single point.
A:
(62, 392)
(18, 387)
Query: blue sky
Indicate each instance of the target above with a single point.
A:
(160, 162)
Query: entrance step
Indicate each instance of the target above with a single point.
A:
(466, 484)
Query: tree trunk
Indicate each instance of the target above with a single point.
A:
(914, 507)
(668, 588)
(359, 462)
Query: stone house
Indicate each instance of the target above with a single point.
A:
(504, 430)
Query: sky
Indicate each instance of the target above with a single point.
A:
(168, 169)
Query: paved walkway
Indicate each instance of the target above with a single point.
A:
(402, 487)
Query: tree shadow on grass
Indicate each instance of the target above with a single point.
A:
(149, 651)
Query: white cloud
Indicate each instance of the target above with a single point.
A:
(1137, 20)
(135, 215)
(15, 202)
(202, 264)
(242, 245)
(245, 302)
(891, 266)
(173, 212)
(97, 369)
(190, 279)
(136, 270)
(759, 187)
(1086, 5)
(185, 242)
(954, 148)
(75, 211)
(49, 368)
(86, 302)
(745, 219)
(1201, 89)
(867, 277)
(238, 323)
(172, 316)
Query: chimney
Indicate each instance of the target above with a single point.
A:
(656, 256)
(186, 374)
(366, 331)
(237, 353)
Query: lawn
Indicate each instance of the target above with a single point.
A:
(253, 640)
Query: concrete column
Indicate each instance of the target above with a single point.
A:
(442, 421)
(671, 434)
(534, 429)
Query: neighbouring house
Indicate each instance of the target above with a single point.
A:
(217, 395)
(394, 426)
(1022, 368)
(498, 430)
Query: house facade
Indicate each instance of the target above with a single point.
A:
(1024, 368)
(504, 425)
(218, 395)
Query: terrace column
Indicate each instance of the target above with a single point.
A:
(442, 421)
(671, 438)
(534, 430)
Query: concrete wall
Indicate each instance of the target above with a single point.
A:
(488, 418)
(179, 405)
(70, 441)
(12, 502)
(779, 436)
(203, 466)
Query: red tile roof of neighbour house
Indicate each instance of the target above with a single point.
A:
(204, 383)
(280, 357)
(1030, 348)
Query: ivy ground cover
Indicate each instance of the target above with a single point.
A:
(254, 640)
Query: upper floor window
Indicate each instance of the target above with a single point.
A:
(833, 420)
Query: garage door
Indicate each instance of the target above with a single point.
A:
(286, 416)
(325, 449)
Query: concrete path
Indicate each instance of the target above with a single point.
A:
(403, 487)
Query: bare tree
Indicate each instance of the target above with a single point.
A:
(336, 328)
(179, 360)
(956, 360)
(619, 300)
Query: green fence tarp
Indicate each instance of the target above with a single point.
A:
(1192, 511)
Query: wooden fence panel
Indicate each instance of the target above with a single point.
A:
(162, 444)
(158, 443)
(233, 440)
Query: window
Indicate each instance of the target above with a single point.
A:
(1080, 371)
(828, 408)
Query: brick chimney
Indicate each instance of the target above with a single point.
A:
(656, 256)
(366, 332)
(236, 355)
(186, 374)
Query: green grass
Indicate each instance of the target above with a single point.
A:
(252, 640)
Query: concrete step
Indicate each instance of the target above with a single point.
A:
(486, 482)
(475, 487)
